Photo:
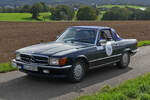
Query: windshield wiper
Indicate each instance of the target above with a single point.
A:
(82, 40)
(68, 40)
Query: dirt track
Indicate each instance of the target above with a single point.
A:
(15, 35)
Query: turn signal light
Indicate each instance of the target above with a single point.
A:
(62, 61)
(137, 45)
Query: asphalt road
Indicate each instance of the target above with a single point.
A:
(18, 86)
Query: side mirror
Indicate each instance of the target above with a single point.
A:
(57, 36)
(101, 42)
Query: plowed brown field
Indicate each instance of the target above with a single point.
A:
(15, 35)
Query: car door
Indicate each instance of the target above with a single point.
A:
(105, 53)
(98, 54)
(112, 48)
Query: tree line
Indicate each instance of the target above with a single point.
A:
(63, 12)
(25, 9)
(126, 14)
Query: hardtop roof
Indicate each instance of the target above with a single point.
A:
(91, 27)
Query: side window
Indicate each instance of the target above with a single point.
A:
(106, 35)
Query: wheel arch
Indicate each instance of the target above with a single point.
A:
(84, 58)
(128, 50)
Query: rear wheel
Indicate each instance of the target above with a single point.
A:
(124, 61)
(77, 72)
(30, 75)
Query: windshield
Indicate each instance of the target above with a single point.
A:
(78, 35)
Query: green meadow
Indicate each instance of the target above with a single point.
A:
(122, 6)
(23, 17)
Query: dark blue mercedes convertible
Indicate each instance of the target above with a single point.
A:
(76, 50)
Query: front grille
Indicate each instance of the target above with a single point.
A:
(34, 59)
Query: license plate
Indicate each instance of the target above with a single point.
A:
(14, 64)
(30, 68)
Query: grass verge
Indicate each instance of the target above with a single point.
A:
(6, 67)
(135, 89)
(143, 43)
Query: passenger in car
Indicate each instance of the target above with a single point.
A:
(103, 36)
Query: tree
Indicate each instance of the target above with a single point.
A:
(45, 7)
(97, 11)
(86, 13)
(62, 12)
(126, 14)
(36, 8)
(117, 14)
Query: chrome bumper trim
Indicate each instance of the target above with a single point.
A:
(136, 50)
(14, 62)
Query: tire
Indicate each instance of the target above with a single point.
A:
(30, 75)
(124, 61)
(77, 72)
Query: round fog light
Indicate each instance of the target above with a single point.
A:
(46, 71)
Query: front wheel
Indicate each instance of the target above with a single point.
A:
(31, 76)
(77, 72)
(124, 61)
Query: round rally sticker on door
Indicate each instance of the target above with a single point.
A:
(108, 48)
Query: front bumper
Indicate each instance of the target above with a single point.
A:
(134, 51)
(41, 70)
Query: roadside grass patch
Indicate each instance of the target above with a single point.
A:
(143, 43)
(6, 67)
(144, 97)
(134, 89)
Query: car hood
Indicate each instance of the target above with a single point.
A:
(52, 48)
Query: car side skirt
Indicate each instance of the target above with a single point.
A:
(104, 64)
(105, 61)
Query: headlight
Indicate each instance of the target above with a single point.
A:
(54, 61)
(18, 57)
(57, 61)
